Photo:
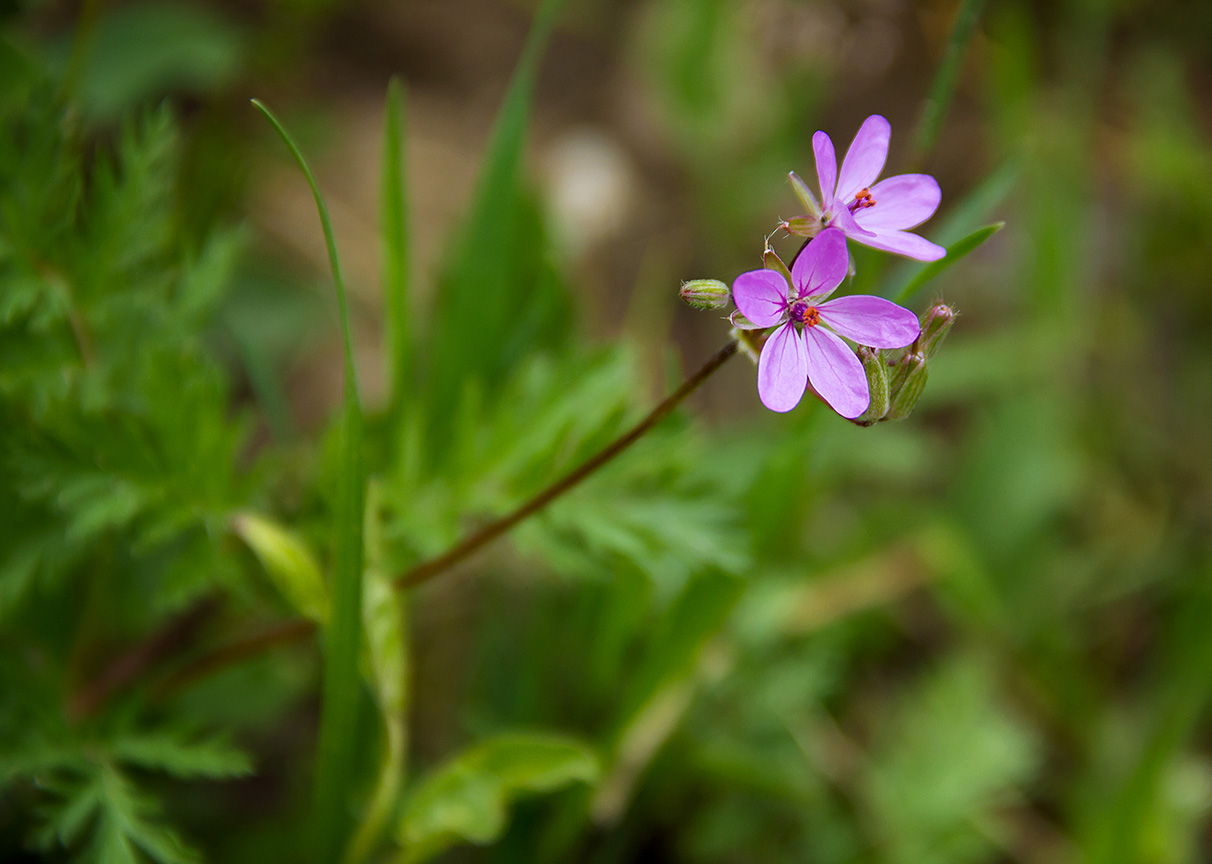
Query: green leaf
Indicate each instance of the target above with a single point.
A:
(288, 562)
(943, 763)
(120, 817)
(955, 252)
(385, 618)
(663, 686)
(146, 50)
(467, 800)
(338, 742)
(393, 239)
(181, 755)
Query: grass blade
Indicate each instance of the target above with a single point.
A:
(955, 252)
(393, 239)
(934, 109)
(341, 691)
(499, 296)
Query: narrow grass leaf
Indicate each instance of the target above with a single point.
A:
(385, 616)
(337, 747)
(955, 252)
(498, 297)
(394, 248)
(934, 109)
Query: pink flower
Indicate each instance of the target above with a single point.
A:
(874, 214)
(807, 345)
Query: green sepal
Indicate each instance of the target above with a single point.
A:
(877, 384)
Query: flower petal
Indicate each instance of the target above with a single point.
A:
(783, 369)
(826, 166)
(822, 265)
(844, 219)
(865, 159)
(901, 202)
(761, 295)
(903, 243)
(871, 321)
(836, 374)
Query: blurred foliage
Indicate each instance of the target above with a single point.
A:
(979, 635)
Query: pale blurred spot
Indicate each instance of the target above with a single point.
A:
(590, 186)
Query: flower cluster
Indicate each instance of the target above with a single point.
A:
(805, 331)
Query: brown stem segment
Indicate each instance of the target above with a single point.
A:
(285, 633)
(427, 570)
(132, 665)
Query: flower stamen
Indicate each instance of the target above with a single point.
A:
(862, 200)
(805, 315)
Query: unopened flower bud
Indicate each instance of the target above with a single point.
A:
(877, 384)
(936, 324)
(705, 294)
(908, 382)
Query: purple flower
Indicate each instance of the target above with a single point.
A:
(874, 214)
(807, 346)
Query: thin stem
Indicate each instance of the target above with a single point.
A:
(284, 633)
(934, 109)
(427, 570)
(135, 663)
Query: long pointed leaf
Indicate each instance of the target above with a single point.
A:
(341, 693)
(498, 297)
(955, 252)
(394, 244)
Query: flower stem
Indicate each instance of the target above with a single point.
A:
(427, 570)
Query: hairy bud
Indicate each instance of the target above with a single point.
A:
(908, 382)
(877, 384)
(936, 324)
(705, 294)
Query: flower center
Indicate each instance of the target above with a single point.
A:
(803, 314)
(862, 200)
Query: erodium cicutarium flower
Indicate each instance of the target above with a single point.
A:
(807, 346)
(874, 214)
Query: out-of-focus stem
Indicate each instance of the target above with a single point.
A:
(427, 570)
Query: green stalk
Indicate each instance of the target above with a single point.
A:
(341, 693)
(393, 240)
(934, 109)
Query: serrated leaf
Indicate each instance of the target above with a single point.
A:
(181, 755)
(468, 799)
(121, 820)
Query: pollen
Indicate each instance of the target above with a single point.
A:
(863, 198)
